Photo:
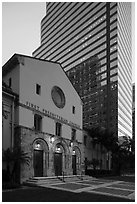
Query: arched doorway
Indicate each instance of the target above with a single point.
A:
(61, 155)
(76, 160)
(58, 159)
(40, 158)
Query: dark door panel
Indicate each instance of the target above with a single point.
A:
(74, 164)
(58, 164)
(38, 163)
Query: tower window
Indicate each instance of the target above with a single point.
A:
(38, 122)
(38, 89)
(73, 109)
(58, 129)
(73, 135)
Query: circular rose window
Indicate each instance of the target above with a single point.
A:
(58, 97)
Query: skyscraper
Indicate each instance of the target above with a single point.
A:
(133, 112)
(72, 33)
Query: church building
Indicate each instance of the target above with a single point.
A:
(46, 118)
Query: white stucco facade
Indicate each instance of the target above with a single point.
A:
(31, 72)
(27, 75)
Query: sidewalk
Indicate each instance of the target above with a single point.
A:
(99, 186)
(92, 190)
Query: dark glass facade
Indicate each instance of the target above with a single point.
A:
(99, 100)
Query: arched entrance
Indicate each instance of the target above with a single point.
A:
(76, 160)
(40, 158)
(61, 155)
(58, 159)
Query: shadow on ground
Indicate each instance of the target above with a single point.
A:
(39, 194)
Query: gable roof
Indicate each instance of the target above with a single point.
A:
(15, 60)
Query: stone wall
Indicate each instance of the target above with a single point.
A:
(27, 138)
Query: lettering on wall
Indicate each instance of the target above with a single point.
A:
(49, 114)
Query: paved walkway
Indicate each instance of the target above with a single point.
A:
(98, 186)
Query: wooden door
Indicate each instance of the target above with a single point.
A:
(58, 164)
(38, 163)
(74, 164)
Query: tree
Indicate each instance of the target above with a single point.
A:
(122, 156)
(95, 134)
(126, 156)
(7, 158)
(13, 158)
(95, 163)
(133, 145)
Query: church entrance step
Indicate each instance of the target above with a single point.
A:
(37, 181)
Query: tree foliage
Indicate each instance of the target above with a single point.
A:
(103, 137)
(120, 149)
(13, 159)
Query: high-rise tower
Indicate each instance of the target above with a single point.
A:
(74, 32)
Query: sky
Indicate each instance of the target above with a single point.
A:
(21, 27)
